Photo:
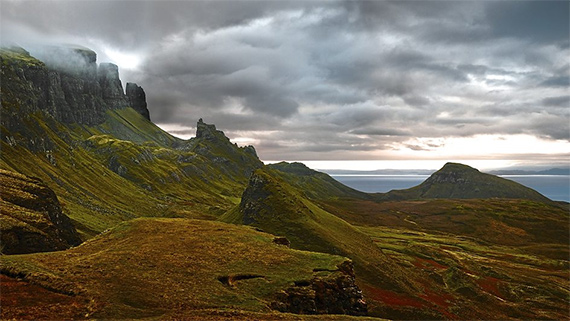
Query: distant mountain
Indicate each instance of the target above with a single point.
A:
(314, 184)
(458, 181)
(552, 171)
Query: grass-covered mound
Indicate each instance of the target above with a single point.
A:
(168, 268)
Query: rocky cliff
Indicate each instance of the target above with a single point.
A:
(66, 84)
(137, 99)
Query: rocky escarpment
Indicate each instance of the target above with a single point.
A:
(64, 83)
(32, 219)
(334, 292)
(111, 87)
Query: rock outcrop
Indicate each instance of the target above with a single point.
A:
(137, 99)
(335, 292)
(213, 144)
(32, 219)
(62, 82)
(111, 87)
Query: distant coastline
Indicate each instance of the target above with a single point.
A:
(402, 172)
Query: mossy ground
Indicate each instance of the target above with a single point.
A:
(169, 267)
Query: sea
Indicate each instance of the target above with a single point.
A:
(555, 187)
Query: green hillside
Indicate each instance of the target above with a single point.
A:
(274, 206)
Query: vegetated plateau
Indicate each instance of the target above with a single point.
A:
(104, 215)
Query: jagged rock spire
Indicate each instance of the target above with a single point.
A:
(137, 99)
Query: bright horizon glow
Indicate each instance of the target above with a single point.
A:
(123, 60)
(371, 165)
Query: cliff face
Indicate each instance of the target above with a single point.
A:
(67, 85)
(137, 99)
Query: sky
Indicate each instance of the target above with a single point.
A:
(485, 82)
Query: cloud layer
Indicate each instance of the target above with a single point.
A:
(331, 80)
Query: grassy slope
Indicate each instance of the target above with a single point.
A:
(126, 167)
(313, 184)
(468, 279)
(168, 267)
(284, 211)
(31, 217)
(498, 221)
(470, 258)
(98, 177)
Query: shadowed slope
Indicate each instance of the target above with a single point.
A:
(31, 217)
(313, 184)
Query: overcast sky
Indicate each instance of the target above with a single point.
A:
(336, 80)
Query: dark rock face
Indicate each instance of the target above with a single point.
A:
(137, 99)
(281, 240)
(209, 132)
(334, 293)
(111, 87)
(65, 84)
(32, 217)
(253, 203)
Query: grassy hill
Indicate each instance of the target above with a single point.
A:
(273, 205)
(170, 268)
(460, 181)
(99, 172)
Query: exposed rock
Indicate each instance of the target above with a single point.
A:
(137, 99)
(32, 220)
(234, 161)
(333, 293)
(64, 83)
(281, 240)
(111, 87)
(209, 132)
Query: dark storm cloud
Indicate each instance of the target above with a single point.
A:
(303, 78)
(538, 21)
(560, 101)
